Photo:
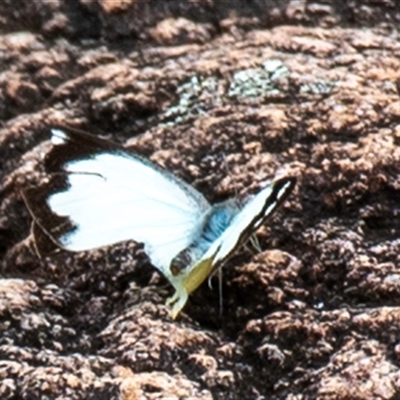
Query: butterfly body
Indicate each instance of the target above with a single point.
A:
(100, 193)
(216, 221)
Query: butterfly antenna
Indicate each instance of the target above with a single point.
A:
(36, 221)
(35, 247)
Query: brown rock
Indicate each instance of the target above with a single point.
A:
(225, 95)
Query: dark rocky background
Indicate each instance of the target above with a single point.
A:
(224, 94)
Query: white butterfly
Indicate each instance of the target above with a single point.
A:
(100, 193)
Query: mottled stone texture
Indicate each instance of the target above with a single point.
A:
(225, 95)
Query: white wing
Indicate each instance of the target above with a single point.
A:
(114, 195)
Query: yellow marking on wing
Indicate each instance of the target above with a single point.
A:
(196, 276)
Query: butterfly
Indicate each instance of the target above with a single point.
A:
(99, 193)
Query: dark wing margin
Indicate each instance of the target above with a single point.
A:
(282, 188)
(77, 145)
(274, 201)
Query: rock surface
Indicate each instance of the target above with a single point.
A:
(225, 95)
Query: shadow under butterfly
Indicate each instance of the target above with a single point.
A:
(99, 193)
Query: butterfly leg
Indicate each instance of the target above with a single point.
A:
(255, 243)
(221, 299)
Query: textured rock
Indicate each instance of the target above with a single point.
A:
(225, 95)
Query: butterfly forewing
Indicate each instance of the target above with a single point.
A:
(102, 194)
